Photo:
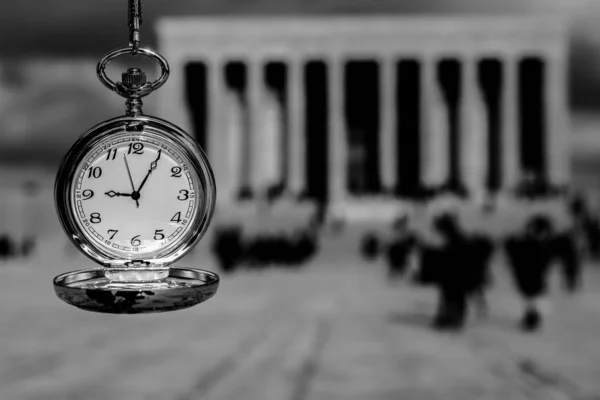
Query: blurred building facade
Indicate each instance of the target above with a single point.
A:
(346, 109)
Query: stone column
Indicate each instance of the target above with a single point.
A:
(388, 154)
(296, 151)
(273, 136)
(337, 137)
(255, 105)
(233, 125)
(435, 143)
(556, 126)
(510, 138)
(473, 131)
(172, 96)
(216, 138)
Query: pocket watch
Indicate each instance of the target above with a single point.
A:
(135, 194)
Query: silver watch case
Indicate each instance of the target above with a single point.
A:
(142, 126)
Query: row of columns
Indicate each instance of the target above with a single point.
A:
(474, 136)
(252, 131)
(256, 133)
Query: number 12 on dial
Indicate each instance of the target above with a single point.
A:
(135, 195)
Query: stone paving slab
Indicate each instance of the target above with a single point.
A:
(336, 330)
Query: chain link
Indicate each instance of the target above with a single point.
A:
(135, 21)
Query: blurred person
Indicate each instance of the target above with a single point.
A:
(280, 248)
(227, 247)
(372, 244)
(530, 257)
(274, 192)
(6, 246)
(481, 249)
(586, 228)
(255, 251)
(447, 277)
(245, 193)
(569, 257)
(592, 233)
(28, 246)
(458, 266)
(401, 250)
(369, 247)
(290, 255)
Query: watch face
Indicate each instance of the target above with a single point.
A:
(135, 195)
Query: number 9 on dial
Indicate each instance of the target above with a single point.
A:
(135, 190)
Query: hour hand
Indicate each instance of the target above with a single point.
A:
(112, 193)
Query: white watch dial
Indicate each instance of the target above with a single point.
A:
(135, 195)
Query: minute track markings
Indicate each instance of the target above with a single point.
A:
(152, 241)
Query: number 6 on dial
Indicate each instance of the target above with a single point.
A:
(135, 194)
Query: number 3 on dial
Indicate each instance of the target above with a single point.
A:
(135, 195)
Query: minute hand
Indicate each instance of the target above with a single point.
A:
(153, 165)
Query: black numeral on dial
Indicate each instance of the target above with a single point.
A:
(111, 154)
(176, 218)
(95, 218)
(158, 235)
(135, 241)
(184, 195)
(114, 232)
(136, 148)
(88, 194)
(176, 172)
(95, 172)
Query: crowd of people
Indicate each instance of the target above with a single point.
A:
(233, 249)
(455, 261)
(18, 245)
(458, 262)
(11, 247)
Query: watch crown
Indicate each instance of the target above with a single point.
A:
(133, 78)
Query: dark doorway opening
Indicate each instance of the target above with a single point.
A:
(361, 84)
(317, 119)
(197, 98)
(276, 84)
(236, 82)
(531, 116)
(490, 80)
(450, 79)
(408, 131)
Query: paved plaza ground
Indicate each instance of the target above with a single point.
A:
(334, 330)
